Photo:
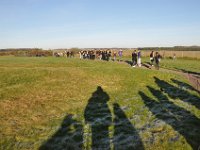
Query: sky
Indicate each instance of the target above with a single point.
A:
(52, 24)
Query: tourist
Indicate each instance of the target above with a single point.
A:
(134, 58)
(152, 57)
(114, 55)
(81, 54)
(120, 54)
(174, 56)
(139, 58)
(157, 60)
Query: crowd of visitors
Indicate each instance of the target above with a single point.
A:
(100, 54)
(108, 55)
(87, 54)
(68, 54)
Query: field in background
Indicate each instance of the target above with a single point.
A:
(179, 54)
(184, 65)
(190, 52)
(46, 100)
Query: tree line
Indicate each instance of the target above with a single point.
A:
(28, 52)
(175, 48)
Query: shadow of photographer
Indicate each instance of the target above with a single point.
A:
(99, 117)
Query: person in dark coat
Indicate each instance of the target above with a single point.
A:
(134, 58)
(157, 60)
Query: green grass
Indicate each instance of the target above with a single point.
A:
(180, 64)
(37, 94)
(186, 65)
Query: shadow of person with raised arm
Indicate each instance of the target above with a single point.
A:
(125, 135)
(182, 121)
(175, 92)
(187, 71)
(68, 136)
(184, 85)
(98, 115)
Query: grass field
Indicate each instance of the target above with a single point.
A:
(179, 64)
(185, 65)
(56, 103)
(167, 53)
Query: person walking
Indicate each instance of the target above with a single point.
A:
(152, 58)
(114, 55)
(134, 58)
(139, 58)
(120, 55)
(157, 60)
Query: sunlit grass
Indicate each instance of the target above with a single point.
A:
(182, 64)
(37, 93)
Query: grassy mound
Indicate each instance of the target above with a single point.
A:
(56, 103)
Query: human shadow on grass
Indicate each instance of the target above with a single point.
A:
(178, 93)
(98, 115)
(125, 135)
(68, 137)
(184, 85)
(187, 71)
(147, 65)
(181, 120)
(129, 62)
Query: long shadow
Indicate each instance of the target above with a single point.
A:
(182, 121)
(191, 72)
(98, 115)
(147, 65)
(184, 85)
(125, 135)
(175, 92)
(129, 62)
(68, 137)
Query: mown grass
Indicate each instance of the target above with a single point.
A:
(36, 95)
(180, 64)
(185, 65)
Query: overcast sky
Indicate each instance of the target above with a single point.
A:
(99, 23)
